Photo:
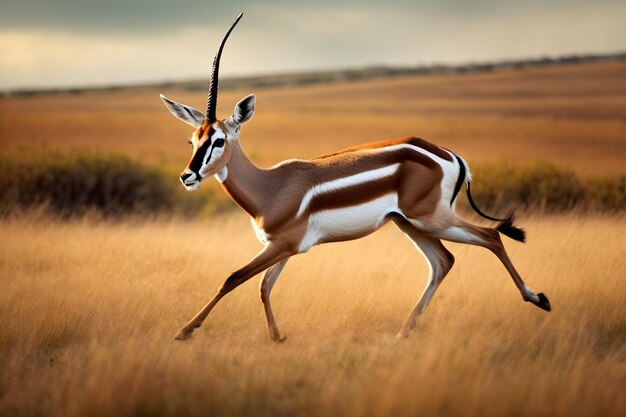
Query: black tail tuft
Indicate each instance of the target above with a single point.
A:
(507, 228)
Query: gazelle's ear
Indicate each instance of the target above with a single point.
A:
(244, 110)
(185, 113)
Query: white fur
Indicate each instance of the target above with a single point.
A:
(259, 232)
(367, 217)
(458, 234)
(452, 233)
(450, 169)
(435, 268)
(190, 116)
(531, 294)
(221, 175)
(219, 133)
(468, 174)
(193, 186)
(344, 223)
(215, 156)
(345, 182)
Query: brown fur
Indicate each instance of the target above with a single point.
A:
(418, 142)
(272, 197)
(278, 191)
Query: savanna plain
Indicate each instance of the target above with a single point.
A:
(89, 305)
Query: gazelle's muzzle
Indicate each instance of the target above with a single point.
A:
(190, 180)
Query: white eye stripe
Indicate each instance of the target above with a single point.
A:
(218, 134)
(212, 152)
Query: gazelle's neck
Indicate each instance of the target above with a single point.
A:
(244, 181)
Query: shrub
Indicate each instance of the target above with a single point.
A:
(545, 188)
(607, 194)
(72, 184)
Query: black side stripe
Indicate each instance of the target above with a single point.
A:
(459, 181)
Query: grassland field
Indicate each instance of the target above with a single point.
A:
(89, 307)
(89, 312)
(572, 116)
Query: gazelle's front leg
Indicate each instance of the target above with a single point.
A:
(271, 254)
(265, 287)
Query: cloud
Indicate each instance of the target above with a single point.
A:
(114, 16)
(132, 16)
(153, 40)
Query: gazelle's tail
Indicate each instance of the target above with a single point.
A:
(505, 226)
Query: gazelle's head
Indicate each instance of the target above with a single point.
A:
(213, 139)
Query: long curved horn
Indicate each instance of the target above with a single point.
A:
(211, 105)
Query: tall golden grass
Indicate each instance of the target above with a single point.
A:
(88, 311)
(89, 308)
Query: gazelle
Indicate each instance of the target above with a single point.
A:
(297, 204)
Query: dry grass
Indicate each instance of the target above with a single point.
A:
(88, 311)
(571, 115)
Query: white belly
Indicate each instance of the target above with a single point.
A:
(346, 223)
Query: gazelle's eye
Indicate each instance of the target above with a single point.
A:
(218, 143)
(189, 141)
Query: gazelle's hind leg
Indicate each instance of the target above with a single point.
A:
(440, 261)
(265, 288)
(489, 238)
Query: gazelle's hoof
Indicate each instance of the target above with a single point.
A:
(184, 334)
(543, 302)
(280, 340)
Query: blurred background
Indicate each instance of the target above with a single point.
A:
(529, 92)
(104, 255)
(52, 43)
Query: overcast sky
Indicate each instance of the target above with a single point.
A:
(47, 43)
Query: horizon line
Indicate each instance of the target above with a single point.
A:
(328, 75)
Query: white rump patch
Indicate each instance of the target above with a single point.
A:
(450, 169)
(345, 182)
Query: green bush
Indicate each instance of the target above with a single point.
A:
(546, 188)
(73, 184)
(608, 194)
(70, 185)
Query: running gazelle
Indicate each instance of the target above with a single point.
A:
(297, 204)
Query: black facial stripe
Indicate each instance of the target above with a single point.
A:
(196, 164)
(215, 145)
